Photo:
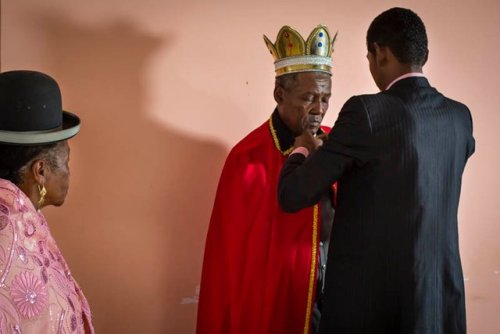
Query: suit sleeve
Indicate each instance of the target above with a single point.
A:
(471, 144)
(303, 181)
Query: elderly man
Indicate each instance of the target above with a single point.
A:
(398, 155)
(261, 264)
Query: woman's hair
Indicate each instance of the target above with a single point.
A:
(14, 159)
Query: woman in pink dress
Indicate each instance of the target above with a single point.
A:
(37, 292)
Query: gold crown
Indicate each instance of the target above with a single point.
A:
(292, 54)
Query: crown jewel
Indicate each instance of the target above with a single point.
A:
(293, 54)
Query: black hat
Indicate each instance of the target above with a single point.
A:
(31, 110)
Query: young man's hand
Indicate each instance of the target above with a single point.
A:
(307, 140)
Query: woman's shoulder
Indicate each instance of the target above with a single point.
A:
(10, 197)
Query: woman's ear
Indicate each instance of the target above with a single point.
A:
(39, 170)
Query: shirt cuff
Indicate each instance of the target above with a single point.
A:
(301, 150)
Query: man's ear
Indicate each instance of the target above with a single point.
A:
(380, 54)
(278, 94)
(426, 57)
(39, 170)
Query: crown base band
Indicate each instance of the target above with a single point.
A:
(303, 68)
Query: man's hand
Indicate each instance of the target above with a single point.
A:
(307, 140)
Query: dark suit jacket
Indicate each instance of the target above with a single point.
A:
(394, 263)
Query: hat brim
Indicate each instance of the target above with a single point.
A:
(70, 127)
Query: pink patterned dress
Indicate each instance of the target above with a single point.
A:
(37, 292)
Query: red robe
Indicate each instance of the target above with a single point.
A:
(259, 271)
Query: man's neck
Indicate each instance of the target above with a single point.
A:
(404, 76)
(402, 71)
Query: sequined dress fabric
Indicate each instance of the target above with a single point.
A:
(37, 292)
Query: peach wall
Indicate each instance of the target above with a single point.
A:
(165, 88)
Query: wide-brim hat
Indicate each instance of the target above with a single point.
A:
(31, 110)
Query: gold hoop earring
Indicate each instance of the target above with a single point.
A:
(43, 192)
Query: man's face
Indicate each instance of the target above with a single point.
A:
(377, 61)
(372, 62)
(304, 104)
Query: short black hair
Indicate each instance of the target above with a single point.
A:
(403, 32)
(14, 157)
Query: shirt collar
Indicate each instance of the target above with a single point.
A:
(404, 76)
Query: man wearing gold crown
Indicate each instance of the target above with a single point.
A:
(394, 265)
(263, 268)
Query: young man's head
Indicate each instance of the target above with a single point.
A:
(397, 44)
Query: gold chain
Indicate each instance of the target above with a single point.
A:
(275, 138)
